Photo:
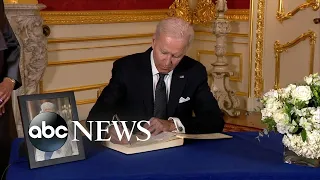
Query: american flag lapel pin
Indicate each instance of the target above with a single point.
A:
(181, 77)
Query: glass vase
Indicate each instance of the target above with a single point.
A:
(291, 157)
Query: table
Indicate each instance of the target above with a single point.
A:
(242, 157)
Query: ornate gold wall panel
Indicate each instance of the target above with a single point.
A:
(102, 17)
(279, 48)
(258, 78)
(117, 16)
(282, 15)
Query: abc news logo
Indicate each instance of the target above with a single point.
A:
(48, 131)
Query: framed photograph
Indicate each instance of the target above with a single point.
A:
(48, 127)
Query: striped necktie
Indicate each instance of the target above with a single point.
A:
(160, 103)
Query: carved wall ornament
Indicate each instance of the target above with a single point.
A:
(221, 74)
(204, 12)
(282, 15)
(258, 78)
(27, 25)
(279, 48)
(181, 8)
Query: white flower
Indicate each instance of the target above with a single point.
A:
(312, 79)
(288, 108)
(284, 93)
(309, 149)
(266, 113)
(305, 123)
(308, 79)
(273, 105)
(302, 93)
(271, 94)
(282, 120)
(290, 88)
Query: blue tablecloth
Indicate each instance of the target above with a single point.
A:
(242, 157)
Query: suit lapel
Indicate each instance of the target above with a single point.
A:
(147, 81)
(178, 82)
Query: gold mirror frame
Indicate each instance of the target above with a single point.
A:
(282, 16)
(279, 48)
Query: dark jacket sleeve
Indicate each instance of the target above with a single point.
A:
(11, 54)
(208, 116)
(106, 105)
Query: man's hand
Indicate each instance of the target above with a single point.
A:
(114, 137)
(6, 88)
(158, 126)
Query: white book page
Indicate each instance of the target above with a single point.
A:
(162, 137)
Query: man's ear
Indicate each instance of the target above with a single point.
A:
(153, 42)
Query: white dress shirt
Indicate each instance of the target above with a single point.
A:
(167, 79)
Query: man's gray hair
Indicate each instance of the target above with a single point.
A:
(47, 107)
(176, 28)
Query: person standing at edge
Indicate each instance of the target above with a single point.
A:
(10, 80)
(161, 85)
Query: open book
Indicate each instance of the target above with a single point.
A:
(160, 141)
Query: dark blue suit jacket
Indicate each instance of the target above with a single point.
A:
(129, 94)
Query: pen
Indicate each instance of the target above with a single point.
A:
(117, 118)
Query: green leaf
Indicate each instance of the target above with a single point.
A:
(295, 129)
(304, 135)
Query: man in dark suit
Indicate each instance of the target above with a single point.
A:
(9, 80)
(161, 85)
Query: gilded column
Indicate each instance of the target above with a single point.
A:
(225, 96)
(27, 24)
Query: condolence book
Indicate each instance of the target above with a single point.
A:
(160, 141)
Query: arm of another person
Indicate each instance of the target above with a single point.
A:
(208, 116)
(106, 105)
(12, 54)
(11, 63)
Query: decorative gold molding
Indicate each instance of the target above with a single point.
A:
(237, 15)
(20, 2)
(133, 44)
(102, 17)
(82, 61)
(239, 55)
(244, 35)
(258, 78)
(240, 93)
(279, 48)
(121, 16)
(97, 38)
(204, 13)
(127, 36)
(230, 42)
(282, 16)
(77, 88)
(86, 101)
(251, 48)
(97, 47)
(181, 8)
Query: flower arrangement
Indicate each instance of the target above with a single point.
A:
(294, 111)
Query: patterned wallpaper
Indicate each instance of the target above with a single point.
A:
(87, 5)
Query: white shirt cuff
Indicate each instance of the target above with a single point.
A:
(179, 126)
